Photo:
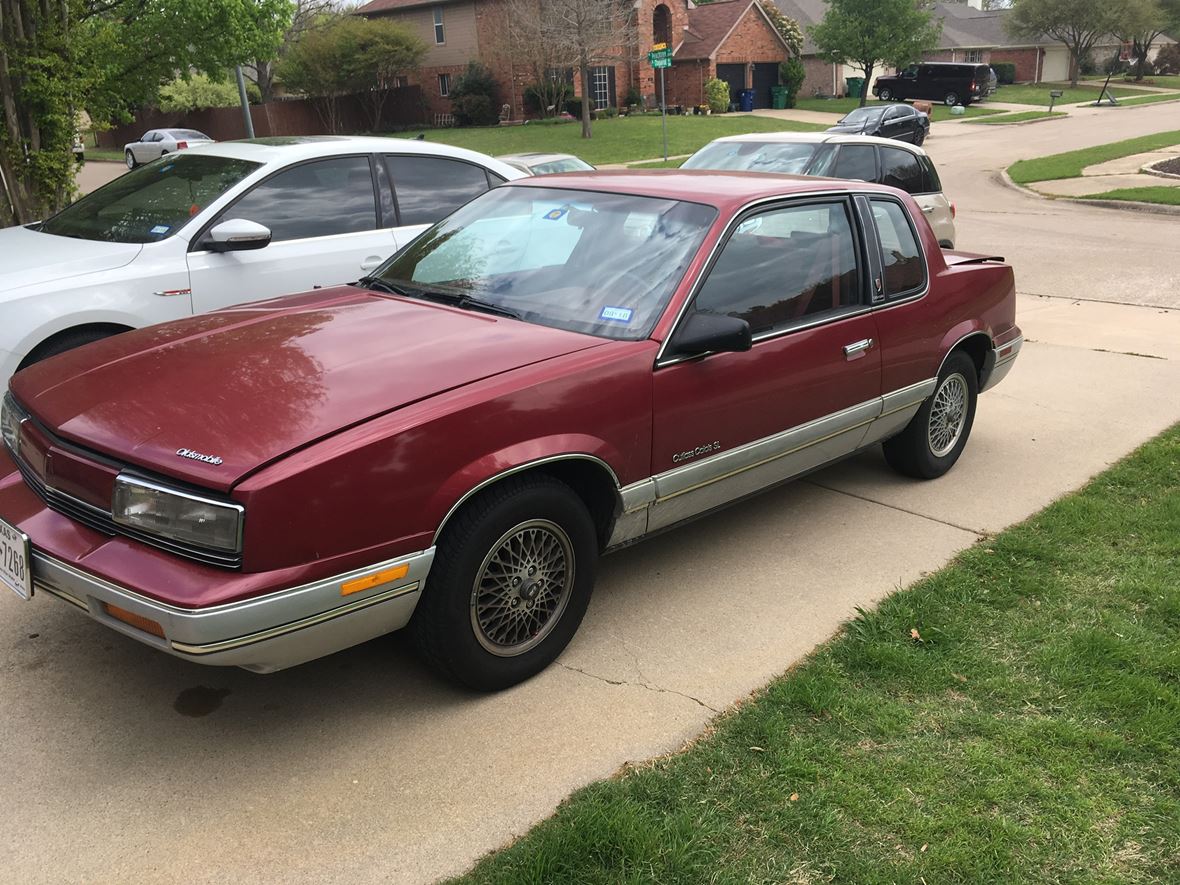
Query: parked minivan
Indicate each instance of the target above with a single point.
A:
(945, 82)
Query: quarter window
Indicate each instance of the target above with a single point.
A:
(901, 169)
(784, 267)
(439, 35)
(856, 161)
(312, 200)
(905, 271)
(431, 188)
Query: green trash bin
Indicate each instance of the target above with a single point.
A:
(778, 97)
(853, 86)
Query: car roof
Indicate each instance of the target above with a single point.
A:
(294, 148)
(726, 191)
(817, 138)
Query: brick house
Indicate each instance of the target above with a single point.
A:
(730, 39)
(969, 34)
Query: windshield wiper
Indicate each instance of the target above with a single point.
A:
(452, 299)
(379, 285)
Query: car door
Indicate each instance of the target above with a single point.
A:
(728, 424)
(427, 189)
(142, 149)
(894, 123)
(855, 162)
(322, 215)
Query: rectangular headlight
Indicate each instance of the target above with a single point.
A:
(180, 516)
(11, 417)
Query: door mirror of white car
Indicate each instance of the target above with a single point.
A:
(237, 235)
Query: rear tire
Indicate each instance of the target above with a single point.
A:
(935, 437)
(886, 94)
(510, 583)
(950, 99)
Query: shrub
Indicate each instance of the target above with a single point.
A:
(634, 97)
(200, 91)
(539, 98)
(473, 97)
(1168, 59)
(573, 107)
(717, 95)
(1005, 71)
(792, 74)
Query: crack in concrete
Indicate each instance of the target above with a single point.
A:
(1076, 298)
(979, 533)
(647, 685)
(1143, 356)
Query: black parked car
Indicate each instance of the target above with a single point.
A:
(946, 82)
(899, 121)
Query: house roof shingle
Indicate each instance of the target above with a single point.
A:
(708, 26)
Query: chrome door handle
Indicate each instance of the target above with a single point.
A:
(857, 347)
(927, 208)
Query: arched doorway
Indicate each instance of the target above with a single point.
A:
(661, 25)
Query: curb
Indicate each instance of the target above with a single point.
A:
(996, 121)
(1121, 205)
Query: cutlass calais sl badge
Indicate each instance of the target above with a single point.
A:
(197, 456)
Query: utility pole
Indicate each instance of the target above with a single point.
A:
(246, 118)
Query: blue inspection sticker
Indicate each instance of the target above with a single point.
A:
(616, 314)
(556, 214)
(161, 229)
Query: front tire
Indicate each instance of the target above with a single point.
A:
(935, 437)
(886, 94)
(129, 159)
(510, 583)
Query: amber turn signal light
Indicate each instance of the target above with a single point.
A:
(356, 585)
(147, 625)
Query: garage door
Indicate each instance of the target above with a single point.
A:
(735, 76)
(765, 76)
(1055, 67)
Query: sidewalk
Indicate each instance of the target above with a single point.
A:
(1112, 175)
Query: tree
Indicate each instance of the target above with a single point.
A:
(346, 55)
(865, 33)
(1077, 23)
(307, 14)
(107, 57)
(787, 27)
(1141, 23)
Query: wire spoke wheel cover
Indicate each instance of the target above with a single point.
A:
(948, 415)
(522, 588)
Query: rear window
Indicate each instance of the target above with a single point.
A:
(752, 156)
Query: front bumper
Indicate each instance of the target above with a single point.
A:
(263, 634)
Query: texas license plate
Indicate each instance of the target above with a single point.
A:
(16, 565)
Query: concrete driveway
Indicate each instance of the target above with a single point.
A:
(122, 765)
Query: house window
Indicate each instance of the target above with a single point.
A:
(602, 86)
(661, 25)
(401, 82)
(974, 55)
(444, 85)
(439, 36)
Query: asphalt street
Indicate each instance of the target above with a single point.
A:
(120, 764)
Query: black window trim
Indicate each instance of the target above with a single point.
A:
(758, 208)
(195, 243)
(915, 292)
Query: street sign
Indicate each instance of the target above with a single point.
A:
(660, 56)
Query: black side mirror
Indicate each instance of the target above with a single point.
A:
(710, 332)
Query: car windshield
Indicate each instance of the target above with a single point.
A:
(600, 263)
(863, 115)
(753, 156)
(150, 203)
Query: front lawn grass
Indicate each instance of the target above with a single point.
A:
(841, 106)
(1038, 93)
(1071, 163)
(1167, 196)
(1011, 718)
(1018, 117)
(1149, 99)
(1163, 81)
(618, 140)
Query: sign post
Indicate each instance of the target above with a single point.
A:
(660, 57)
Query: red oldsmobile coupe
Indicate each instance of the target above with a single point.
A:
(562, 367)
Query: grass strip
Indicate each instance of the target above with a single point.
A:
(1011, 718)
(618, 140)
(1071, 163)
(1149, 99)
(1017, 117)
(1168, 196)
(1038, 93)
(658, 164)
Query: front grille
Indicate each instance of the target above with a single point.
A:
(101, 521)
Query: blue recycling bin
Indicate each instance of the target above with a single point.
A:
(746, 99)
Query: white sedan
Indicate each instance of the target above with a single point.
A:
(154, 143)
(220, 225)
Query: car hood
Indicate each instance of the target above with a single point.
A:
(30, 257)
(852, 127)
(245, 386)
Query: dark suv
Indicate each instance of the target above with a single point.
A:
(945, 82)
